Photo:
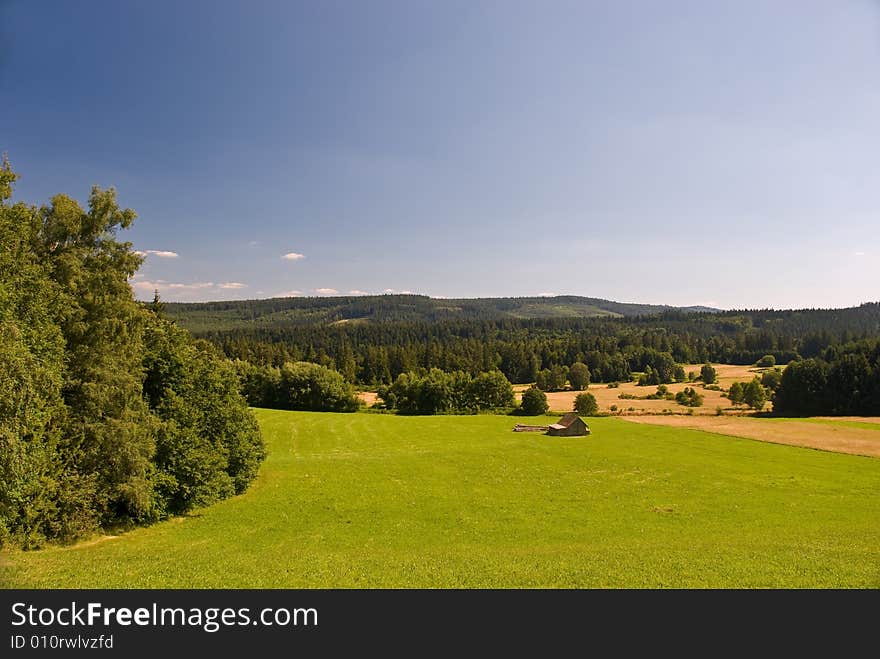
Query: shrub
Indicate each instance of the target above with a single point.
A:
(708, 374)
(534, 402)
(689, 397)
(754, 394)
(307, 386)
(585, 403)
(771, 378)
(679, 374)
(767, 361)
(735, 393)
(489, 391)
(438, 392)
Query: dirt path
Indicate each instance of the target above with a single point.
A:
(857, 441)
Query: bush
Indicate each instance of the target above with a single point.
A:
(754, 394)
(307, 386)
(438, 392)
(585, 403)
(534, 402)
(771, 378)
(735, 393)
(708, 374)
(679, 374)
(767, 361)
(689, 397)
(490, 391)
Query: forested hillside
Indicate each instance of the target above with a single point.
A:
(110, 415)
(376, 352)
(277, 312)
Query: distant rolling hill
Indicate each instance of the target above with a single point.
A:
(274, 312)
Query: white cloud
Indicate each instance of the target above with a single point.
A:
(162, 285)
(294, 256)
(162, 254)
(859, 254)
(547, 294)
(388, 290)
(357, 292)
(407, 293)
(232, 285)
(326, 291)
(253, 243)
(290, 294)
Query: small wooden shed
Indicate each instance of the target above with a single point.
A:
(571, 425)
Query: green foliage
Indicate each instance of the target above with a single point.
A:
(735, 393)
(307, 386)
(585, 404)
(389, 335)
(208, 445)
(649, 377)
(771, 378)
(490, 391)
(554, 378)
(437, 392)
(534, 402)
(708, 374)
(803, 389)
(579, 376)
(80, 445)
(542, 379)
(767, 361)
(754, 394)
(689, 397)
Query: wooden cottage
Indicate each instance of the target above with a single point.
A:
(571, 425)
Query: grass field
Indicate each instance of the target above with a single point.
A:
(365, 500)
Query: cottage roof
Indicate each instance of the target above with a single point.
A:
(566, 421)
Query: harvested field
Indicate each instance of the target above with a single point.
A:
(369, 397)
(563, 401)
(794, 432)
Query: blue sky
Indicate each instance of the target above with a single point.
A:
(721, 153)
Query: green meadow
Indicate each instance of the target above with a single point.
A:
(372, 500)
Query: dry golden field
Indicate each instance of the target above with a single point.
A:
(832, 434)
(562, 401)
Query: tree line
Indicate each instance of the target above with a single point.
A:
(376, 353)
(110, 414)
(843, 380)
